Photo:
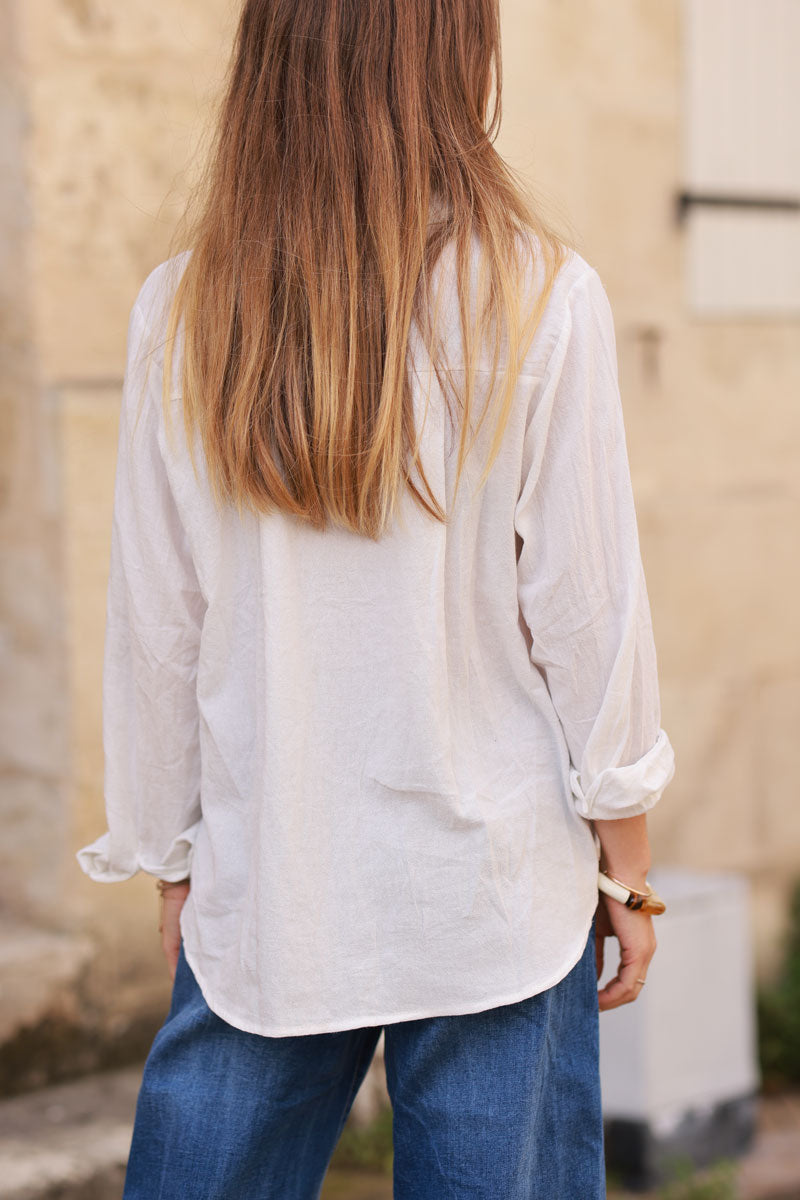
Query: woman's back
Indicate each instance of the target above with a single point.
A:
(377, 801)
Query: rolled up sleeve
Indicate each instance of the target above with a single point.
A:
(581, 582)
(154, 617)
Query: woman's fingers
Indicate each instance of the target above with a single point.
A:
(622, 989)
(637, 944)
(599, 955)
(172, 903)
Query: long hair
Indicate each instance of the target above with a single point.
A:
(351, 146)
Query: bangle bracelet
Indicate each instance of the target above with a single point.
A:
(647, 902)
(164, 885)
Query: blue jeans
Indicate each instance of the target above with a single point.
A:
(495, 1105)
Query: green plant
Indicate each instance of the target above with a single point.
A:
(366, 1147)
(716, 1183)
(778, 1008)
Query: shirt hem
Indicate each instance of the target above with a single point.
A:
(372, 1020)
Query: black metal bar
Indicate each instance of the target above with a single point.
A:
(687, 200)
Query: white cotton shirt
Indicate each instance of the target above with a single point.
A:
(378, 761)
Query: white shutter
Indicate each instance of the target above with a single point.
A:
(742, 139)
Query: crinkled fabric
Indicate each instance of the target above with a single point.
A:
(379, 761)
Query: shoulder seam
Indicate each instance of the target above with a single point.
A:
(582, 278)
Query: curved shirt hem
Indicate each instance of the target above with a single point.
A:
(247, 1026)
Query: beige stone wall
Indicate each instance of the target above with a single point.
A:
(100, 116)
(33, 744)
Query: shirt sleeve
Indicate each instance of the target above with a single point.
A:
(154, 617)
(581, 583)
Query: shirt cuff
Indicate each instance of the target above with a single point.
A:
(106, 862)
(628, 791)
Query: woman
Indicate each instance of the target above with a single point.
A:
(380, 684)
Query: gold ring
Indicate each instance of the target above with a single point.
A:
(641, 981)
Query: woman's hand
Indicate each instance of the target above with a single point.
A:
(637, 945)
(172, 901)
(626, 855)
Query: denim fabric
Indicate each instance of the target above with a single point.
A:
(496, 1105)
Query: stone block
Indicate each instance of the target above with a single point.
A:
(678, 1066)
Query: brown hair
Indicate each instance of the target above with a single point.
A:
(350, 148)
